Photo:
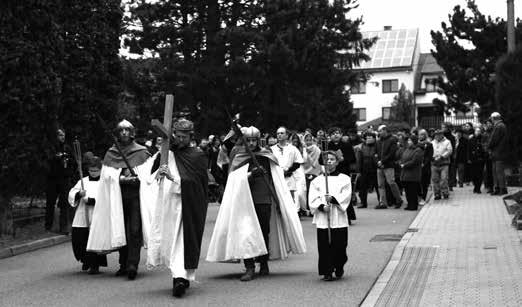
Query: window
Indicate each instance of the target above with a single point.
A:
(390, 86)
(358, 88)
(431, 84)
(386, 112)
(360, 114)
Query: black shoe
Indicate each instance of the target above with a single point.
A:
(361, 206)
(446, 196)
(496, 191)
(381, 206)
(451, 189)
(328, 277)
(132, 272)
(339, 273)
(249, 275)
(461, 185)
(410, 209)
(94, 270)
(398, 205)
(178, 287)
(437, 197)
(122, 271)
(85, 267)
(263, 269)
(503, 191)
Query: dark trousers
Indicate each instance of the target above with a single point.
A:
(425, 181)
(499, 177)
(477, 173)
(366, 182)
(56, 191)
(130, 254)
(263, 216)
(461, 171)
(332, 256)
(452, 174)
(412, 194)
(79, 237)
(488, 175)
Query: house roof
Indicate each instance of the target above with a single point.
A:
(393, 49)
(428, 64)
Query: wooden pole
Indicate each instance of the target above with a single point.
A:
(167, 123)
(511, 26)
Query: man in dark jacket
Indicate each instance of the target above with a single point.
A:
(346, 148)
(386, 157)
(58, 180)
(461, 157)
(498, 147)
(367, 167)
(427, 148)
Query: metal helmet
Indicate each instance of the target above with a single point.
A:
(125, 124)
(251, 132)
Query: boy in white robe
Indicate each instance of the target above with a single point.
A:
(330, 218)
(84, 201)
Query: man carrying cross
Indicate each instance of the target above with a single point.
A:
(179, 198)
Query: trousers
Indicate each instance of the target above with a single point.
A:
(130, 254)
(387, 175)
(439, 179)
(56, 190)
(332, 256)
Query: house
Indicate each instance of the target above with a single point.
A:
(395, 60)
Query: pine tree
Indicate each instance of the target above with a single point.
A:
(468, 49)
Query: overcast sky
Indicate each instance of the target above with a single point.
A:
(423, 14)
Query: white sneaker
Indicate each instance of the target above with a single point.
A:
(422, 202)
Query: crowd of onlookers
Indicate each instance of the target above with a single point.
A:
(400, 166)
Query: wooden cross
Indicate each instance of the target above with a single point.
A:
(164, 129)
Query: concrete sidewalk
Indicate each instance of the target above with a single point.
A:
(458, 252)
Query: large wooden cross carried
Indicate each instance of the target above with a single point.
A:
(164, 129)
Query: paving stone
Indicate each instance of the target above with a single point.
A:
(474, 258)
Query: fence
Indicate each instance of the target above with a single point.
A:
(428, 122)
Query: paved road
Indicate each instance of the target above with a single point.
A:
(52, 277)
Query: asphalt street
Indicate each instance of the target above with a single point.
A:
(52, 277)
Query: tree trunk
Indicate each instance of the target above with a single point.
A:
(6, 216)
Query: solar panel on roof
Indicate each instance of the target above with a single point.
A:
(394, 48)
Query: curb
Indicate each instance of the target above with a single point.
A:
(31, 246)
(378, 287)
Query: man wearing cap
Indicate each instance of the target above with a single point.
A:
(386, 149)
(257, 219)
(442, 150)
(179, 201)
(116, 221)
(498, 148)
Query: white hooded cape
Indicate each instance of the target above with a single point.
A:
(107, 231)
(237, 233)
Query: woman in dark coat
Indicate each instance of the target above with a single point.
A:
(477, 156)
(411, 171)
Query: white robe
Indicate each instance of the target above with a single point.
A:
(83, 214)
(107, 232)
(340, 187)
(237, 233)
(165, 224)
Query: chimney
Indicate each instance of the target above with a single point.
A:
(387, 28)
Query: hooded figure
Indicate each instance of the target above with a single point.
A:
(257, 217)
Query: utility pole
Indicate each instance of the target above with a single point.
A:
(511, 25)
